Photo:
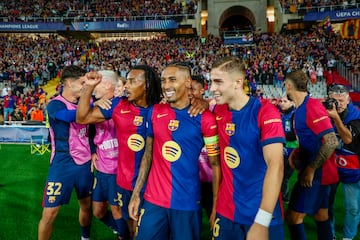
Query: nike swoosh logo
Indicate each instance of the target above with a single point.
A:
(124, 111)
(218, 118)
(161, 115)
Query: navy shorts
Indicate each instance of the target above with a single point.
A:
(105, 188)
(162, 223)
(61, 181)
(309, 199)
(226, 229)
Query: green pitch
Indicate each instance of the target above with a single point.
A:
(22, 180)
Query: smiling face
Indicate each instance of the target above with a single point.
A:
(135, 87)
(223, 86)
(175, 83)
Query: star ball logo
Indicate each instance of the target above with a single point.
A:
(136, 142)
(231, 157)
(171, 151)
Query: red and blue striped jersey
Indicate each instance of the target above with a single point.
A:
(242, 136)
(130, 123)
(173, 180)
(311, 124)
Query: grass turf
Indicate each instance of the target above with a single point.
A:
(22, 182)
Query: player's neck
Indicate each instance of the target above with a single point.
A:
(299, 98)
(238, 102)
(181, 103)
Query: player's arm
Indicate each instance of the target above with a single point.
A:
(216, 171)
(142, 178)
(329, 144)
(273, 155)
(85, 114)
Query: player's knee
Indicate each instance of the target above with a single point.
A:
(99, 213)
(49, 215)
(293, 217)
(321, 215)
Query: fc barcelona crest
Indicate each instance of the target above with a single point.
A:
(230, 129)
(138, 121)
(173, 125)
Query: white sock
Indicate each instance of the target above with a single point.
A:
(84, 238)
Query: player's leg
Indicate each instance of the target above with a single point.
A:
(83, 185)
(46, 223)
(100, 198)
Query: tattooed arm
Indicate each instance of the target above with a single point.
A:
(141, 179)
(327, 148)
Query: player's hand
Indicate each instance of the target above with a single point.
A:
(212, 219)
(94, 158)
(93, 78)
(307, 177)
(198, 106)
(134, 206)
(103, 103)
(258, 232)
(294, 160)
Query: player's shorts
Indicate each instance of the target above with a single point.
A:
(62, 180)
(105, 188)
(159, 223)
(309, 199)
(123, 200)
(225, 228)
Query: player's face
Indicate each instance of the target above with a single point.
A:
(77, 86)
(285, 104)
(100, 89)
(119, 89)
(197, 90)
(222, 86)
(135, 87)
(175, 83)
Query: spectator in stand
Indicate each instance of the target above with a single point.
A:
(36, 113)
(120, 87)
(9, 104)
(17, 115)
(5, 90)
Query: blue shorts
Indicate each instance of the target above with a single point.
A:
(123, 198)
(225, 228)
(62, 180)
(309, 199)
(105, 188)
(162, 223)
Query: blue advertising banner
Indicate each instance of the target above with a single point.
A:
(124, 25)
(334, 15)
(147, 25)
(31, 27)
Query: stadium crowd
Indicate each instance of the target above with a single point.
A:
(26, 10)
(28, 62)
(291, 6)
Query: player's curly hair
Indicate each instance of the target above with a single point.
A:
(153, 84)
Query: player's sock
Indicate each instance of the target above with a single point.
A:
(85, 232)
(297, 232)
(122, 228)
(108, 220)
(324, 230)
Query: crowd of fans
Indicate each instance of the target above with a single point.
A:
(28, 10)
(27, 63)
(293, 6)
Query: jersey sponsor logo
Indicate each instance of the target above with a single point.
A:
(231, 157)
(173, 125)
(230, 129)
(136, 142)
(161, 115)
(341, 161)
(218, 118)
(124, 111)
(138, 120)
(171, 151)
